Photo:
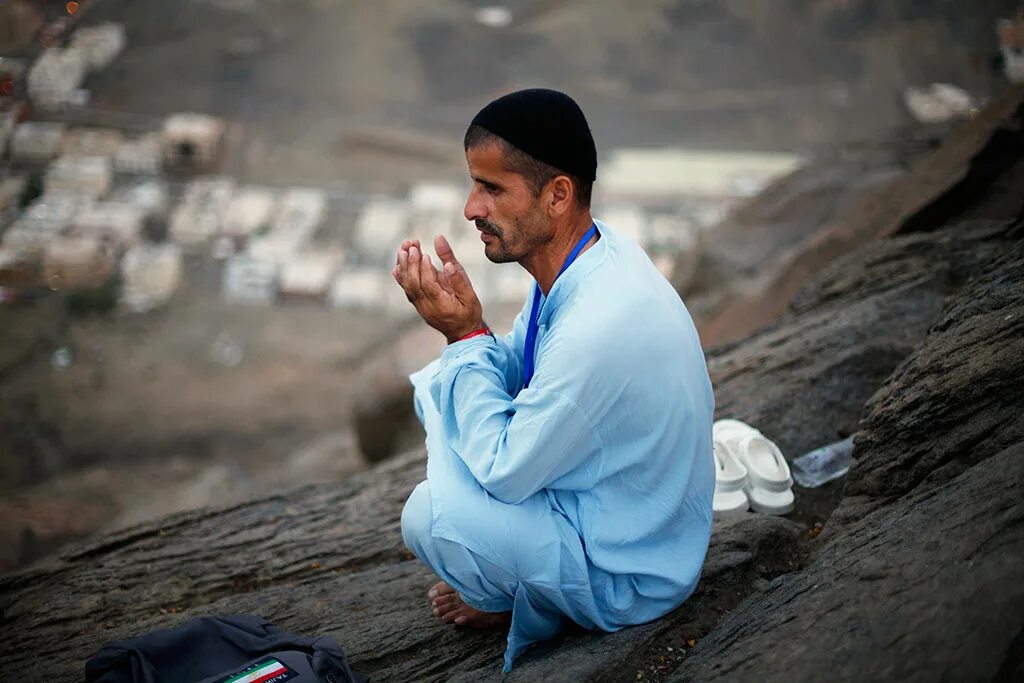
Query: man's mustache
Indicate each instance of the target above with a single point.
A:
(488, 227)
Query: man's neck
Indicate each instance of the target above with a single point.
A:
(545, 263)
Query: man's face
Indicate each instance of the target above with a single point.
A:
(508, 216)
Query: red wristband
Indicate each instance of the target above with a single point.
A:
(474, 333)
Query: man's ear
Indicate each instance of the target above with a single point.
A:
(562, 196)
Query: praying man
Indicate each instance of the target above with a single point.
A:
(569, 469)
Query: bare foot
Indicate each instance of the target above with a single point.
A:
(448, 605)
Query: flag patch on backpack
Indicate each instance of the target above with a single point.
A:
(267, 671)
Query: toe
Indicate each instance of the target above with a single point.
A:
(449, 599)
(438, 589)
(444, 609)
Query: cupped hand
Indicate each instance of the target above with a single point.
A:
(443, 297)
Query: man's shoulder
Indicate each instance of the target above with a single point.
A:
(614, 320)
(627, 294)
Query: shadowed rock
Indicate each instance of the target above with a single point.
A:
(804, 380)
(919, 576)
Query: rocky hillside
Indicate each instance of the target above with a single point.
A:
(909, 569)
(752, 265)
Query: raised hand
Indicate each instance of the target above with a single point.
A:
(443, 298)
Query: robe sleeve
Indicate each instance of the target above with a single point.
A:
(514, 446)
(509, 361)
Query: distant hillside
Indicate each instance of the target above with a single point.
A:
(303, 76)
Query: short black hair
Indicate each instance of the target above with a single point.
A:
(536, 172)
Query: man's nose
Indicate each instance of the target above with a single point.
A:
(474, 208)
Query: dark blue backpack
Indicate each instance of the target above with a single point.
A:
(236, 649)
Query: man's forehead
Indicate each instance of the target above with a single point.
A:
(487, 162)
(486, 156)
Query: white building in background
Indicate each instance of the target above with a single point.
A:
(665, 173)
(200, 214)
(250, 280)
(664, 198)
(37, 141)
(55, 77)
(369, 288)
(509, 283)
(434, 209)
(46, 220)
(71, 263)
(56, 210)
(192, 141)
(938, 103)
(249, 212)
(308, 276)
(26, 240)
(100, 44)
(91, 176)
(91, 142)
(275, 262)
(465, 241)
(430, 209)
(117, 222)
(273, 248)
(140, 155)
(380, 227)
(299, 213)
(150, 196)
(493, 16)
(629, 220)
(360, 288)
(150, 274)
(443, 198)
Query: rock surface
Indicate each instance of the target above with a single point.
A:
(324, 560)
(976, 166)
(919, 574)
(804, 380)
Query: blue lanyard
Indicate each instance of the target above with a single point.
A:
(531, 328)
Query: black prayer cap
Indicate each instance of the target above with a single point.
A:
(546, 124)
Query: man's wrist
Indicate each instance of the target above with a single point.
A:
(476, 331)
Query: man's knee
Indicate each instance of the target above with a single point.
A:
(416, 519)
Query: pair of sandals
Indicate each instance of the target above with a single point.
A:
(750, 472)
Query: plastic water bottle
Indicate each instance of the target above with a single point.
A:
(823, 464)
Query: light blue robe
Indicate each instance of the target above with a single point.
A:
(588, 494)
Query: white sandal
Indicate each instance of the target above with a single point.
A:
(730, 500)
(769, 482)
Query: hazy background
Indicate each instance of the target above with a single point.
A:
(309, 80)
